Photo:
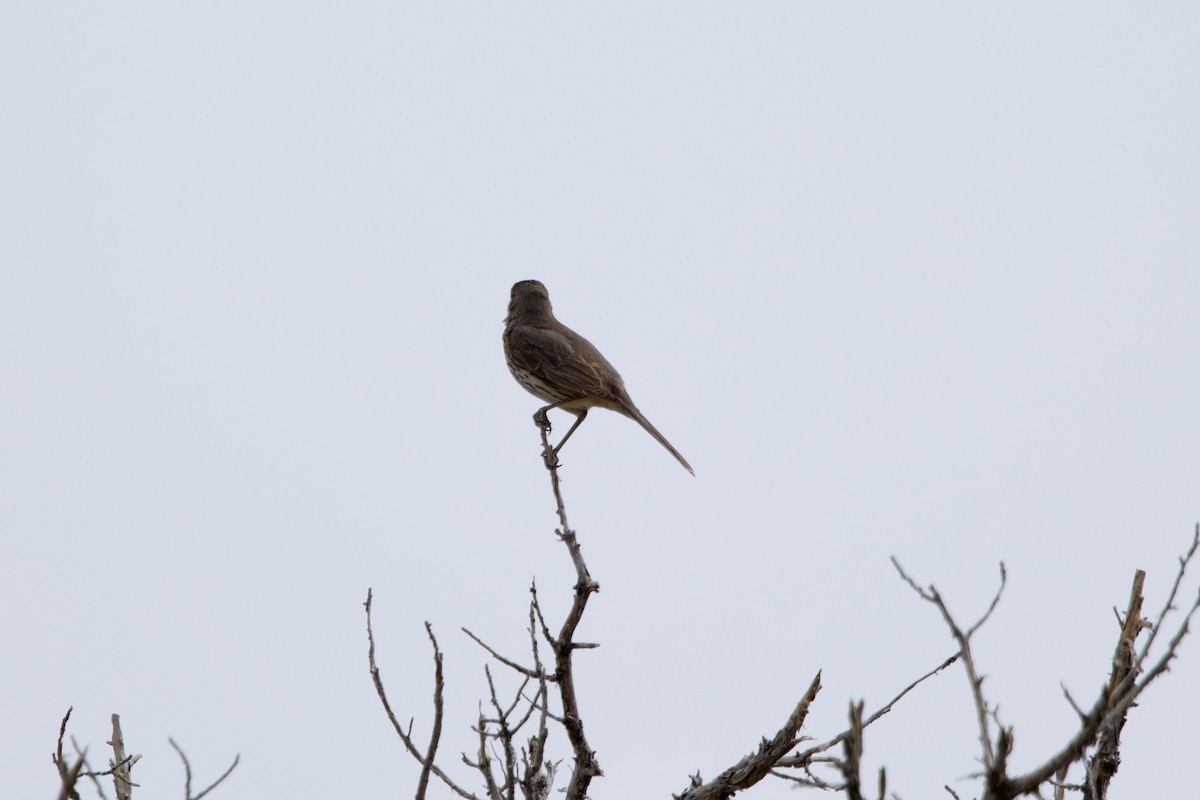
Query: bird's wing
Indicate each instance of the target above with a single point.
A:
(563, 358)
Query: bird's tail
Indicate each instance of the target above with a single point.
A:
(632, 412)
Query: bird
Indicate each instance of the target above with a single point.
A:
(557, 365)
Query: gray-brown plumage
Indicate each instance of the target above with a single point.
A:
(559, 366)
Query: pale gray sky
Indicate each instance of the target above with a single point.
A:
(916, 279)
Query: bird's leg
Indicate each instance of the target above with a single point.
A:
(579, 417)
(541, 419)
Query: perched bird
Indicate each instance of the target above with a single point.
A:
(559, 366)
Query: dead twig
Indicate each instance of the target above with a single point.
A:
(187, 770)
(426, 759)
(435, 734)
(538, 779)
(963, 639)
(513, 665)
(803, 759)
(87, 772)
(852, 748)
(68, 774)
(551, 461)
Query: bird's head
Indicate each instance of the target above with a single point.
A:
(529, 302)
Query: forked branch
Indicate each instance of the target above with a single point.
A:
(426, 759)
(187, 770)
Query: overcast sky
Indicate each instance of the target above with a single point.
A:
(916, 279)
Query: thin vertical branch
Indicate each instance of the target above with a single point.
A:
(852, 749)
(435, 735)
(563, 646)
(187, 770)
(67, 774)
(982, 713)
(551, 461)
(539, 774)
(406, 735)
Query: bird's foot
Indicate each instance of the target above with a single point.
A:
(550, 459)
(542, 420)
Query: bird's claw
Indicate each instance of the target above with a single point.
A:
(541, 420)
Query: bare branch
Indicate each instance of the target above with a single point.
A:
(526, 671)
(551, 461)
(57, 757)
(68, 782)
(504, 734)
(1103, 764)
(756, 766)
(236, 759)
(964, 643)
(545, 629)
(809, 781)
(852, 747)
(484, 764)
(436, 734)
(187, 770)
(81, 753)
(1071, 700)
(1184, 560)
(995, 602)
(68, 775)
(1059, 782)
(538, 780)
(801, 760)
(405, 736)
(563, 646)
